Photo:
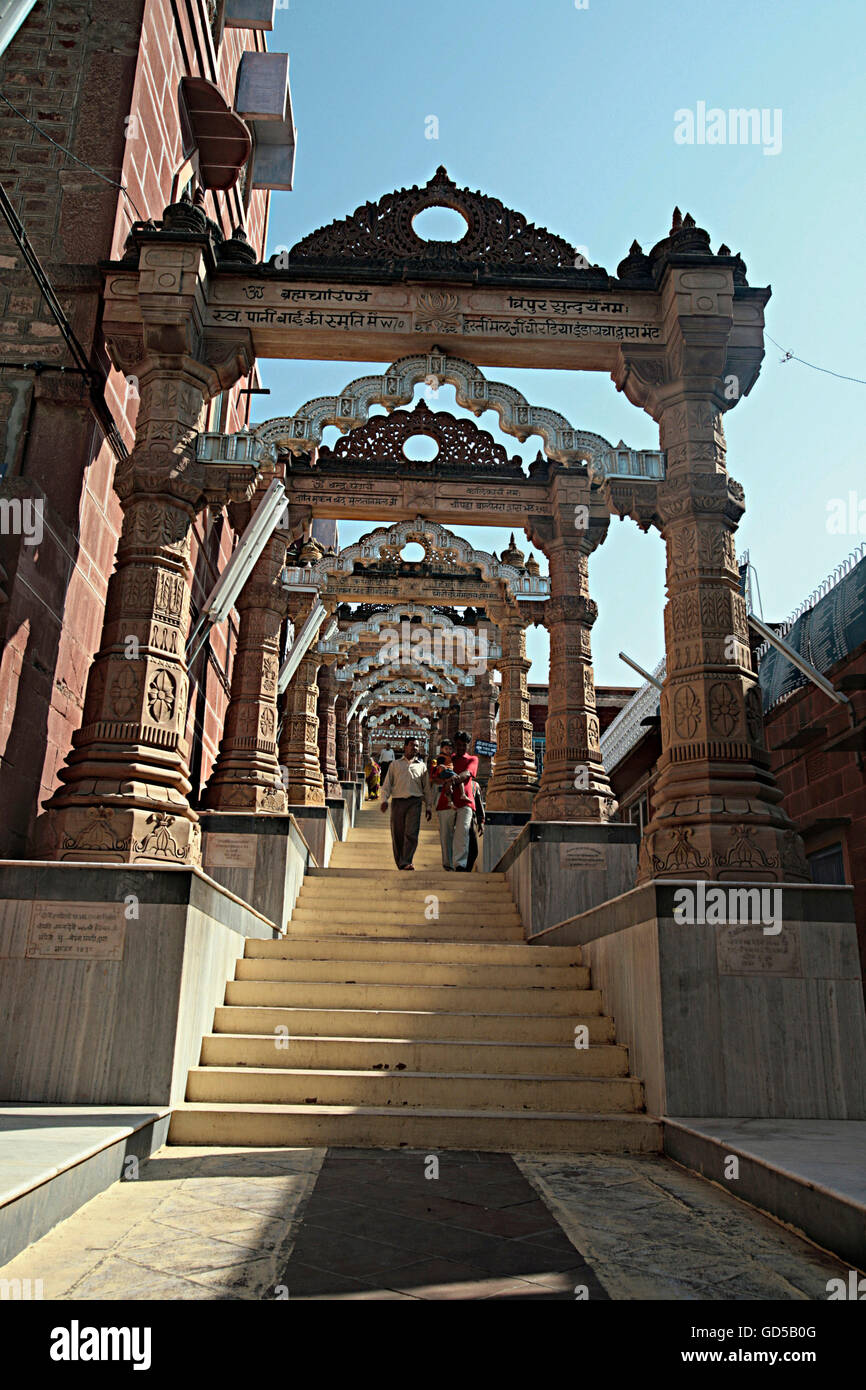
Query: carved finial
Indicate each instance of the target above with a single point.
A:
(676, 221)
(723, 250)
(511, 555)
(688, 220)
(198, 196)
(238, 248)
(635, 249)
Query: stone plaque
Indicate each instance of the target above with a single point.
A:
(76, 931)
(225, 851)
(744, 949)
(581, 857)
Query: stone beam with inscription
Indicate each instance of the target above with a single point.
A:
(404, 497)
(492, 327)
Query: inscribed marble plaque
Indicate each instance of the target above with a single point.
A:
(225, 851)
(76, 931)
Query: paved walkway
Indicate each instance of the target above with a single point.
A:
(371, 1224)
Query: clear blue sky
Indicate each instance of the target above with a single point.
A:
(568, 116)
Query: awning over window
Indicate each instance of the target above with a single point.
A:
(223, 141)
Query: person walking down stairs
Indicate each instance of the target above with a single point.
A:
(407, 788)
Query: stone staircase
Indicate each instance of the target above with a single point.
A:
(405, 1009)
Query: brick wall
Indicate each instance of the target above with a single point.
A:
(825, 789)
(101, 77)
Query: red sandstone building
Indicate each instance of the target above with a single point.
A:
(162, 98)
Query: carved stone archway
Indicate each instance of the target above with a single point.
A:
(679, 330)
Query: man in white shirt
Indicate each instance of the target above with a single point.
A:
(407, 787)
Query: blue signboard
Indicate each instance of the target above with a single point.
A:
(483, 749)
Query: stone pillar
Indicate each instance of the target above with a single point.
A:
(466, 719)
(328, 731)
(574, 784)
(246, 774)
(513, 781)
(356, 754)
(126, 783)
(484, 720)
(343, 759)
(451, 721)
(716, 806)
(299, 749)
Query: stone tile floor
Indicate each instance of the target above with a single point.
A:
(315, 1224)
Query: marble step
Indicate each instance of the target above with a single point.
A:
(425, 1024)
(368, 1054)
(433, 1090)
(501, 1131)
(459, 998)
(333, 948)
(531, 975)
(323, 925)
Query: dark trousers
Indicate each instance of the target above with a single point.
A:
(405, 827)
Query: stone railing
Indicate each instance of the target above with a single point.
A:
(623, 462)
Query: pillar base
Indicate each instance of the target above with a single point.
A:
(301, 794)
(261, 858)
(501, 829)
(567, 804)
(316, 824)
(696, 1003)
(515, 797)
(556, 869)
(111, 978)
(239, 793)
(106, 834)
(709, 837)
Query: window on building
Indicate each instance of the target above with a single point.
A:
(827, 865)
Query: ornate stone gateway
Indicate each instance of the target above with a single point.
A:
(452, 573)
(681, 333)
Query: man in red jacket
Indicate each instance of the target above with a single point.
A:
(465, 767)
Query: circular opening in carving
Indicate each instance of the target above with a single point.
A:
(420, 448)
(413, 552)
(440, 224)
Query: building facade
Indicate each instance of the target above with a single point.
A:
(112, 112)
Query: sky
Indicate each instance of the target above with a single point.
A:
(569, 114)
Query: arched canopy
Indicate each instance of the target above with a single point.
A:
(443, 549)
(303, 431)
